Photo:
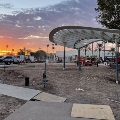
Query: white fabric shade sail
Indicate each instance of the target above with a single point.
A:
(78, 36)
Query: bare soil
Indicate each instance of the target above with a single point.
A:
(91, 85)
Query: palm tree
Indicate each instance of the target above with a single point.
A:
(24, 49)
(12, 51)
(47, 48)
(6, 47)
(28, 51)
(112, 51)
(21, 52)
(86, 48)
(99, 47)
(53, 47)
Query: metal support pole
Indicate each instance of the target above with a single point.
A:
(79, 64)
(44, 77)
(116, 60)
(64, 57)
(92, 49)
(104, 50)
(45, 68)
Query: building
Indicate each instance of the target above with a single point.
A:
(73, 53)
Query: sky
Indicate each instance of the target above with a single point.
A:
(8, 6)
(27, 23)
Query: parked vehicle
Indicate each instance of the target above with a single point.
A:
(23, 58)
(20, 58)
(83, 61)
(30, 59)
(9, 59)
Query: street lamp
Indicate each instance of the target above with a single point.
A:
(47, 53)
(47, 48)
(64, 55)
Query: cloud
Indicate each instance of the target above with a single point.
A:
(1, 37)
(34, 37)
(37, 18)
(33, 22)
(6, 5)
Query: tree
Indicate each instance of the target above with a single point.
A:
(28, 51)
(33, 54)
(109, 13)
(112, 51)
(12, 51)
(21, 52)
(86, 48)
(99, 47)
(6, 48)
(24, 51)
(39, 54)
(47, 48)
(53, 47)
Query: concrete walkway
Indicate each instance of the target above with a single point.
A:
(50, 107)
(46, 97)
(37, 110)
(18, 92)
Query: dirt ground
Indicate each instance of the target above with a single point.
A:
(91, 85)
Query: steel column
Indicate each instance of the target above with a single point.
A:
(64, 57)
(104, 50)
(116, 44)
(79, 64)
(92, 49)
(45, 68)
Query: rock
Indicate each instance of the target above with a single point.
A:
(20, 76)
(78, 89)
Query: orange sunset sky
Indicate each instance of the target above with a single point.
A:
(34, 45)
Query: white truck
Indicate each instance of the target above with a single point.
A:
(22, 58)
(30, 59)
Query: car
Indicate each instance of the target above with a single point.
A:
(9, 59)
(87, 63)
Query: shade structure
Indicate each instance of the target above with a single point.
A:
(79, 36)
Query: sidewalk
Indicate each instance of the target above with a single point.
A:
(36, 110)
(18, 92)
(51, 107)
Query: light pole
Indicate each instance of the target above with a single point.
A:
(92, 49)
(39, 53)
(79, 63)
(47, 53)
(64, 55)
(104, 49)
(53, 47)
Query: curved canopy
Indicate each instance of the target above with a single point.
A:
(78, 36)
